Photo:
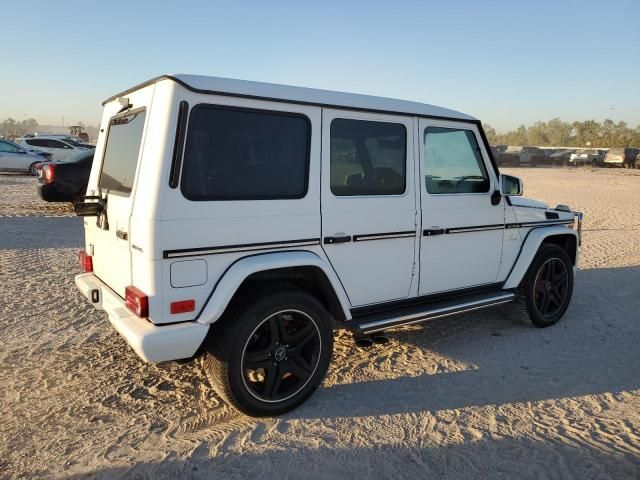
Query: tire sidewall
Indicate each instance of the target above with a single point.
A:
(247, 323)
(545, 253)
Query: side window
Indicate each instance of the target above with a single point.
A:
(367, 158)
(8, 148)
(245, 154)
(56, 144)
(36, 142)
(453, 162)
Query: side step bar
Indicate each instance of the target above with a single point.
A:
(382, 321)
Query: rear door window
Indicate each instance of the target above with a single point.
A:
(121, 152)
(245, 154)
(367, 157)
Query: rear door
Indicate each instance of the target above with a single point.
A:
(462, 229)
(108, 239)
(368, 203)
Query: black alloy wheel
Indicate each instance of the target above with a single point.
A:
(550, 287)
(281, 355)
(270, 351)
(547, 287)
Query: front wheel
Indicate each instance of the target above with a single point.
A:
(548, 285)
(270, 351)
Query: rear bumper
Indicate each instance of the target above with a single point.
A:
(151, 342)
(50, 193)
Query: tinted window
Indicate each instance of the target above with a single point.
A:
(55, 144)
(121, 152)
(239, 154)
(37, 142)
(453, 162)
(367, 158)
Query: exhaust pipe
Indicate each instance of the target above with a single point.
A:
(368, 341)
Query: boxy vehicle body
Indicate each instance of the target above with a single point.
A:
(220, 211)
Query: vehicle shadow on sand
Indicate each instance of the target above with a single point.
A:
(489, 458)
(593, 349)
(33, 232)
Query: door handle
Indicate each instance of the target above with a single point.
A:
(430, 232)
(337, 239)
(122, 234)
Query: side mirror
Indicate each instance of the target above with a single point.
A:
(510, 186)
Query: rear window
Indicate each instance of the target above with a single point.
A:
(121, 152)
(617, 151)
(245, 154)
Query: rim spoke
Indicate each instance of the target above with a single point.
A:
(275, 330)
(259, 359)
(272, 381)
(298, 366)
(560, 278)
(304, 336)
(544, 303)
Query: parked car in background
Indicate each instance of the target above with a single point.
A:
(593, 157)
(521, 156)
(622, 157)
(14, 158)
(59, 149)
(560, 157)
(65, 180)
(45, 155)
(72, 139)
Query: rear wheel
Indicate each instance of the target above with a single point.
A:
(548, 285)
(270, 352)
(32, 169)
(594, 163)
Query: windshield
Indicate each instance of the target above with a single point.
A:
(121, 152)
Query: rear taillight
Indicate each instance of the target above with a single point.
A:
(49, 173)
(136, 301)
(86, 262)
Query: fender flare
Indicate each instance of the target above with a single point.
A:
(242, 268)
(529, 248)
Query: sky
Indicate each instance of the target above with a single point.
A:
(505, 62)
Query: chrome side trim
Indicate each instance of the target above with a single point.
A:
(429, 314)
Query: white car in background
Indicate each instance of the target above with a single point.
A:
(55, 145)
(15, 158)
(593, 157)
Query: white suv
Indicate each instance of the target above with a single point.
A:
(243, 221)
(59, 147)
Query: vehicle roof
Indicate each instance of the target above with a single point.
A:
(300, 95)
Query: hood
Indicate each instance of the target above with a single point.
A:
(527, 202)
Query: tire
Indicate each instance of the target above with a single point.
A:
(32, 169)
(286, 334)
(550, 276)
(594, 163)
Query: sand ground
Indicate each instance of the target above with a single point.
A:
(481, 395)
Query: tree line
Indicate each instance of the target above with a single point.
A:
(11, 128)
(556, 133)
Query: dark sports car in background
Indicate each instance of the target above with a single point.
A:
(65, 180)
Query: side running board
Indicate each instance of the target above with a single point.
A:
(378, 322)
